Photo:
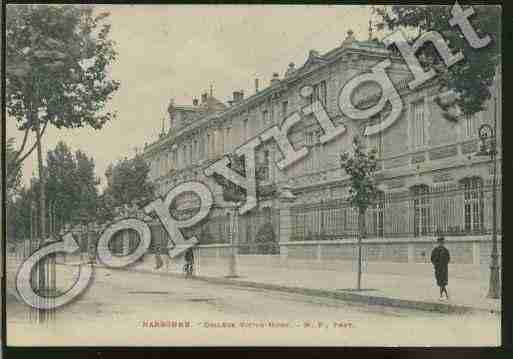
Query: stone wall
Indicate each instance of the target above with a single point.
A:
(470, 258)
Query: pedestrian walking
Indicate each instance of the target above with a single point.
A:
(158, 258)
(189, 262)
(440, 257)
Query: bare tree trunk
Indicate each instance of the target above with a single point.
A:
(42, 181)
(361, 234)
(42, 208)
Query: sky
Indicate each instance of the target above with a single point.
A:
(178, 51)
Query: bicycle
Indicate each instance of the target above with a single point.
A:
(188, 269)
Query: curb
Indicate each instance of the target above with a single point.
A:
(339, 295)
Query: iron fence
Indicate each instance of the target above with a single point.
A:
(438, 210)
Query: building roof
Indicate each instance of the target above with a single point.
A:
(314, 61)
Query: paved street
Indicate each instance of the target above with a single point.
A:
(468, 284)
(130, 308)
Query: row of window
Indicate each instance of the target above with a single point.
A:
(223, 142)
(419, 125)
(421, 214)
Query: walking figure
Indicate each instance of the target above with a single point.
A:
(189, 262)
(440, 258)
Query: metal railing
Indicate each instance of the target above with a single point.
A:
(444, 210)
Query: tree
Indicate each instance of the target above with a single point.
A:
(18, 215)
(127, 183)
(266, 239)
(71, 187)
(57, 59)
(88, 182)
(360, 167)
(61, 185)
(470, 78)
(13, 171)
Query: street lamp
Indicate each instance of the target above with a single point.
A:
(233, 237)
(488, 147)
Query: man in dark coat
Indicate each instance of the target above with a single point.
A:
(440, 258)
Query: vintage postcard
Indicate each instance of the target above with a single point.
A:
(253, 175)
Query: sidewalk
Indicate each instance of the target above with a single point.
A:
(414, 288)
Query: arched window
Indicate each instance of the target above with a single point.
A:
(421, 210)
(473, 199)
(245, 129)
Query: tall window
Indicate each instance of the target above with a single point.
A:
(418, 124)
(379, 144)
(310, 140)
(323, 93)
(474, 204)
(265, 118)
(245, 129)
(220, 140)
(376, 141)
(284, 109)
(227, 143)
(208, 146)
(154, 169)
(320, 92)
(421, 210)
(190, 153)
(263, 166)
(201, 148)
(471, 123)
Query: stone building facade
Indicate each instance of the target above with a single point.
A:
(430, 178)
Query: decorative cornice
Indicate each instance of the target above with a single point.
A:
(277, 88)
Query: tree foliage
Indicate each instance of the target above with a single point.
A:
(13, 170)
(71, 190)
(127, 183)
(18, 214)
(472, 77)
(57, 59)
(266, 239)
(361, 167)
(72, 185)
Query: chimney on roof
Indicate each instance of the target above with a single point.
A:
(256, 85)
(275, 78)
(238, 96)
(195, 101)
(204, 97)
(349, 38)
(291, 69)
